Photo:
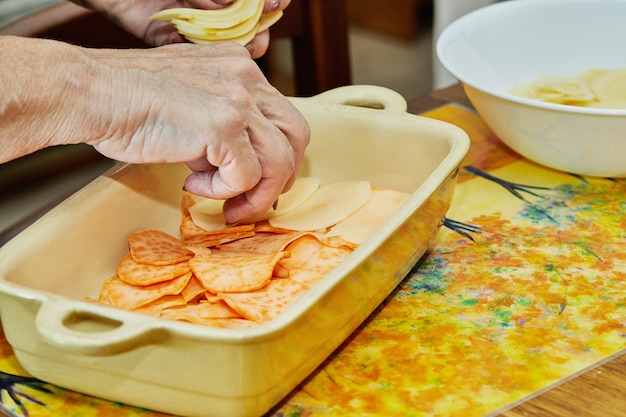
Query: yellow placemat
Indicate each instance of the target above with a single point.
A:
(526, 286)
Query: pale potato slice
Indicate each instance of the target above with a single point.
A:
(239, 22)
(239, 8)
(208, 206)
(329, 205)
(610, 86)
(233, 32)
(557, 89)
(362, 223)
(208, 220)
(243, 40)
(596, 87)
(267, 20)
(188, 29)
(237, 29)
(208, 213)
(589, 76)
(302, 189)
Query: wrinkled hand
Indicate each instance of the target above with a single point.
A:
(134, 16)
(210, 107)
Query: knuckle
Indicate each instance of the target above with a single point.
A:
(232, 120)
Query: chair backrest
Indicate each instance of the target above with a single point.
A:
(318, 30)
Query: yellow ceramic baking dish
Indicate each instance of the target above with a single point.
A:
(358, 133)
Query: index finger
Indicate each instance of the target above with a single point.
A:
(294, 128)
(231, 167)
(275, 5)
(279, 164)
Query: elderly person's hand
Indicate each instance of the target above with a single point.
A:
(134, 16)
(208, 106)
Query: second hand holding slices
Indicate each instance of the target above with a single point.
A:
(239, 22)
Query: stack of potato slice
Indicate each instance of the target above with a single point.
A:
(239, 22)
(235, 276)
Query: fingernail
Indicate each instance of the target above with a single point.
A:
(250, 48)
(274, 5)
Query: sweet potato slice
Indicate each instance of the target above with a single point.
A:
(135, 273)
(268, 302)
(267, 243)
(234, 272)
(200, 312)
(118, 293)
(154, 247)
(310, 259)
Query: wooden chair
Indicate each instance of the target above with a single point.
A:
(318, 30)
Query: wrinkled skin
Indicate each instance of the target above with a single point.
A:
(251, 132)
(206, 105)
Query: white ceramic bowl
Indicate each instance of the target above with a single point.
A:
(512, 43)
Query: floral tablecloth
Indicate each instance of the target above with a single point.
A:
(525, 286)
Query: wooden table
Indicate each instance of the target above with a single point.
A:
(597, 392)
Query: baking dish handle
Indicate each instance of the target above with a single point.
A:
(79, 328)
(371, 96)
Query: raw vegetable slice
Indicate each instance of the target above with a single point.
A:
(121, 294)
(198, 313)
(155, 307)
(154, 247)
(557, 89)
(208, 215)
(302, 189)
(266, 303)
(234, 272)
(335, 241)
(260, 270)
(268, 20)
(267, 243)
(218, 238)
(243, 40)
(239, 22)
(193, 290)
(230, 323)
(199, 250)
(135, 273)
(610, 87)
(238, 11)
(204, 222)
(326, 207)
(192, 235)
(265, 226)
(310, 260)
(362, 223)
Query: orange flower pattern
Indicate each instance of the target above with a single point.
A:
(532, 293)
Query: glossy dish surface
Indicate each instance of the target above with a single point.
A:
(192, 370)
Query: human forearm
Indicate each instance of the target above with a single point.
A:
(45, 96)
(208, 106)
